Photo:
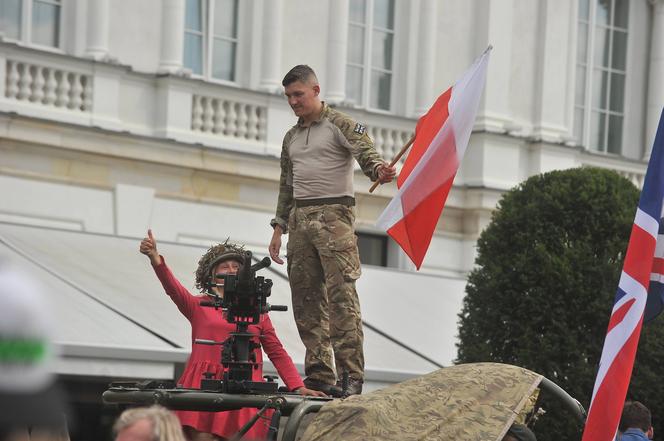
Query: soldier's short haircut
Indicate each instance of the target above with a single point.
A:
(301, 72)
(635, 416)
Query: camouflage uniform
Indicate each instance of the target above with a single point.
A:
(323, 259)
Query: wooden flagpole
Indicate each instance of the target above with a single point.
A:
(403, 150)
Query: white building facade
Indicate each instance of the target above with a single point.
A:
(122, 115)
(118, 111)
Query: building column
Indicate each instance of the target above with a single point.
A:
(552, 69)
(494, 113)
(273, 13)
(98, 29)
(655, 93)
(426, 57)
(337, 47)
(172, 36)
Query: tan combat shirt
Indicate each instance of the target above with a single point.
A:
(317, 161)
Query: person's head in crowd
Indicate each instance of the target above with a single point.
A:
(29, 394)
(519, 432)
(154, 423)
(635, 415)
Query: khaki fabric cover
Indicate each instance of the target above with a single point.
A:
(467, 402)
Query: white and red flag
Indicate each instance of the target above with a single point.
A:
(441, 137)
(639, 296)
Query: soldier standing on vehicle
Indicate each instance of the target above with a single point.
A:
(316, 208)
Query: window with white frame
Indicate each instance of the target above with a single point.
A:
(599, 101)
(31, 21)
(372, 248)
(210, 38)
(369, 67)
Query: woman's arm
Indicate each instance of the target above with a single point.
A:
(185, 302)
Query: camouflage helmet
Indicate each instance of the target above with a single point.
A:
(213, 257)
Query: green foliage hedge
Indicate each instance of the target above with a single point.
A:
(546, 274)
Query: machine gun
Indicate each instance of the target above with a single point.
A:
(244, 300)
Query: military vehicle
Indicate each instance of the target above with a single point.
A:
(477, 401)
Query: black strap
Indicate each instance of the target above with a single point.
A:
(348, 201)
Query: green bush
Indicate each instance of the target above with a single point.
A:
(542, 290)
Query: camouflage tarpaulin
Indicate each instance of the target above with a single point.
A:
(467, 402)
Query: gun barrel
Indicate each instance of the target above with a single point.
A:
(264, 263)
(192, 399)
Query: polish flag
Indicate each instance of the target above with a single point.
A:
(441, 137)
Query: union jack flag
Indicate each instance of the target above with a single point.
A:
(641, 283)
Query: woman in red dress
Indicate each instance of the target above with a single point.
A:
(207, 323)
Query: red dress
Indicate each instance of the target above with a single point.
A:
(207, 323)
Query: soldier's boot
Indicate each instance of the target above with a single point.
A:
(329, 389)
(352, 387)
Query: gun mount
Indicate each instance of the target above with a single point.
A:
(243, 302)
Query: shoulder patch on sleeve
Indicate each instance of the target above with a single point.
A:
(359, 129)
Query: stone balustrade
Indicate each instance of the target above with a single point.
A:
(229, 118)
(389, 141)
(634, 172)
(48, 86)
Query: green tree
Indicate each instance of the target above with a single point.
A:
(546, 275)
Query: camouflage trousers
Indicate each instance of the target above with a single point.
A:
(323, 264)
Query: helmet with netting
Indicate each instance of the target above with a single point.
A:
(213, 257)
